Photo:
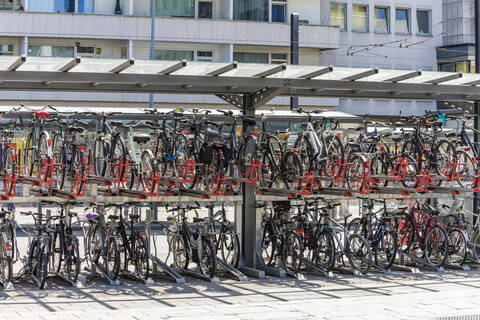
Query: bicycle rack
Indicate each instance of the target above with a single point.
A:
(422, 262)
(188, 172)
(455, 172)
(133, 276)
(367, 180)
(253, 171)
(382, 270)
(103, 274)
(76, 284)
(314, 267)
(219, 186)
(10, 180)
(400, 173)
(273, 271)
(423, 181)
(237, 274)
(171, 272)
(306, 184)
(197, 274)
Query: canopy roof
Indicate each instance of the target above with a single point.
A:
(232, 80)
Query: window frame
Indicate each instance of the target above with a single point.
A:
(345, 14)
(278, 61)
(279, 2)
(204, 59)
(197, 8)
(429, 17)
(7, 52)
(409, 21)
(387, 17)
(367, 18)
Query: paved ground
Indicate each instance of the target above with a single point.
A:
(397, 296)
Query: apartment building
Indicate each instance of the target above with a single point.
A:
(457, 54)
(358, 33)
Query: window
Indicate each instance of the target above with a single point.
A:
(247, 57)
(423, 21)
(461, 66)
(445, 67)
(338, 15)
(51, 51)
(253, 10)
(360, 17)
(87, 50)
(173, 55)
(85, 6)
(51, 5)
(6, 5)
(382, 21)
(205, 9)
(402, 21)
(278, 58)
(279, 10)
(204, 56)
(6, 49)
(175, 8)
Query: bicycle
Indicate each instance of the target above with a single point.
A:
(8, 245)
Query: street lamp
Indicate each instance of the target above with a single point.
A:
(118, 9)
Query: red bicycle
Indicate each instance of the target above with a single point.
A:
(422, 236)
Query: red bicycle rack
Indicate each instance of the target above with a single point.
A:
(8, 183)
(341, 170)
(476, 182)
(80, 184)
(367, 180)
(423, 180)
(306, 184)
(219, 185)
(253, 171)
(47, 170)
(455, 166)
(153, 187)
(118, 170)
(188, 173)
(400, 170)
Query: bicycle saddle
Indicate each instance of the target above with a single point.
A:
(346, 215)
(359, 128)
(437, 124)
(141, 137)
(72, 214)
(451, 134)
(210, 206)
(113, 217)
(76, 130)
(397, 137)
(3, 214)
(42, 114)
(170, 218)
(134, 216)
(91, 216)
(386, 133)
(367, 204)
(197, 220)
(434, 212)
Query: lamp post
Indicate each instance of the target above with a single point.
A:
(476, 107)
(152, 42)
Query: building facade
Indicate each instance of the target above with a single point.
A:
(355, 33)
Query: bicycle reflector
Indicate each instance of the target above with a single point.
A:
(255, 133)
(8, 245)
(296, 150)
(142, 234)
(82, 147)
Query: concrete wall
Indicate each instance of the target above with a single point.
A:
(459, 22)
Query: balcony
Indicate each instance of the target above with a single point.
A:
(87, 26)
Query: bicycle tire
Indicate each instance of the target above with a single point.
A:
(99, 157)
(385, 249)
(9, 169)
(229, 247)
(410, 180)
(141, 257)
(467, 170)
(457, 247)
(451, 221)
(324, 250)
(436, 237)
(355, 251)
(291, 170)
(42, 270)
(355, 173)
(111, 258)
(6, 268)
(57, 252)
(207, 261)
(72, 260)
(335, 153)
(117, 153)
(293, 252)
(180, 252)
(147, 171)
(474, 246)
(29, 156)
(444, 167)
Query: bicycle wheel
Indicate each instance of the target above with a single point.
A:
(60, 168)
(291, 170)
(111, 257)
(72, 258)
(466, 169)
(57, 252)
(444, 155)
(179, 251)
(385, 250)
(266, 174)
(335, 153)
(378, 168)
(99, 157)
(117, 154)
(207, 260)
(141, 259)
(324, 250)
(42, 265)
(6, 270)
(457, 247)
(306, 154)
(9, 169)
(355, 174)
(411, 173)
(474, 246)
(94, 243)
(354, 225)
(181, 151)
(147, 172)
(269, 244)
(29, 156)
(406, 234)
(33, 253)
(229, 246)
(75, 170)
(293, 252)
(451, 221)
(358, 253)
(436, 246)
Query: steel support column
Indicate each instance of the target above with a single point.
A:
(250, 225)
(294, 50)
(476, 108)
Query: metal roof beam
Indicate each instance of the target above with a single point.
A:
(361, 75)
(471, 83)
(224, 69)
(271, 71)
(317, 73)
(444, 78)
(70, 65)
(234, 99)
(17, 63)
(123, 66)
(177, 66)
(406, 76)
(261, 97)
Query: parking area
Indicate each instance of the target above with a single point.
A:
(397, 296)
